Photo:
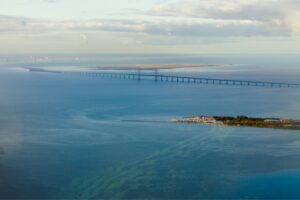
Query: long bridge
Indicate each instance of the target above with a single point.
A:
(186, 79)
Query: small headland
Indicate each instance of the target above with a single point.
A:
(275, 123)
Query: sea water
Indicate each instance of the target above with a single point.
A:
(71, 136)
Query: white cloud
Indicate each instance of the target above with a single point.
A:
(229, 9)
(187, 22)
(228, 18)
(284, 13)
(159, 27)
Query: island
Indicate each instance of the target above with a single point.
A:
(276, 123)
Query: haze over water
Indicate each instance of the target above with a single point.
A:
(64, 136)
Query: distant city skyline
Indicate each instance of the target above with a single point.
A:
(150, 26)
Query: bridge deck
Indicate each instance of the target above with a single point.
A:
(186, 79)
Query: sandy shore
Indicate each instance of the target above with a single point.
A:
(154, 66)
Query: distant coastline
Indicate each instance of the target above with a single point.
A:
(154, 66)
(120, 67)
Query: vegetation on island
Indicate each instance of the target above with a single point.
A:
(277, 123)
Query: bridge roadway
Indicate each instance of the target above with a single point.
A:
(186, 79)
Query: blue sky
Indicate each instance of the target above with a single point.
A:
(150, 26)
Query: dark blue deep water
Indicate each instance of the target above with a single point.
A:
(64, 136)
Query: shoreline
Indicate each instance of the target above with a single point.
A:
(243, 121)
(155, 66)
(120, 67)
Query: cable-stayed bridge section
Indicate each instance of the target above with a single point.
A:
(185, 79)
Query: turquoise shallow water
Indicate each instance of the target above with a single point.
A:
(63, 136)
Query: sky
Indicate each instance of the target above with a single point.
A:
(150, 26)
